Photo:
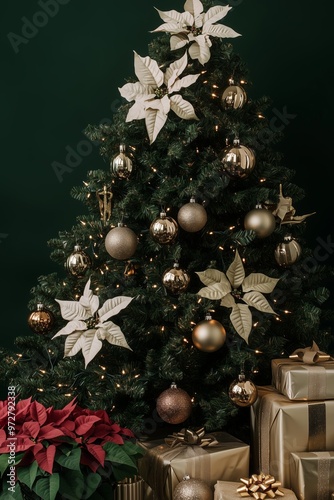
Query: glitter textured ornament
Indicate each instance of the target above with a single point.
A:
(121, 165)
(238, 161)
(41, 321)
(288, 252)
(192, 489)
(121, 242)
(261, 221)
(164, 230)
(242, 392)
(209, 335)
(234, 96)
(78, 262)
(192, 217)
(176, 280)
(174, 405)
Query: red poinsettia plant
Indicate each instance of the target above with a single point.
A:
(69, 453)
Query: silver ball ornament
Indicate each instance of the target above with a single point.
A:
(234, 96)
(78, 262)
(192, 489)
(288, 252)
(121, 242)
(238, 161)
(121, 165)
(164, 230)
(192, 217)
(261, 221)
(209, 335)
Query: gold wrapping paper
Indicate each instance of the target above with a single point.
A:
(227, 490)
(163, 467)
(131, 489)
(281, 426)
(299, 381)
(310, 355)
(312, 475)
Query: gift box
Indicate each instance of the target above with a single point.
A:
(131, 489)
(300, 381)
(312, 475)
(164, 465)
(227, 490)
(281, 426)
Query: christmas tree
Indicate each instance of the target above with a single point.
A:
(189, 264)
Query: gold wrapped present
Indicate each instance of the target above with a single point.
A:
(281, 426)
(227, 490)
(166, 463)
(312, 475)
(131, 489)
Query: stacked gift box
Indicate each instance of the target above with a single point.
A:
(292, 424)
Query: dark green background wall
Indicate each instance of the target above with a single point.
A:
(67, 76)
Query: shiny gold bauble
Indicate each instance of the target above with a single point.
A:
(78, 262)
(287, 253)
(238, 161)
(209, 335)
(234, 96)
(164, 230)
(176, 280)
(121, 242)
(261, 221)
(192, 489)
(121, 165)
(192, 217)
(242, 392)
(41, 321)
(174, 405)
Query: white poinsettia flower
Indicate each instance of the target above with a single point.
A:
(153, 93)
(195, 27)
(236, 285)
(87, 324)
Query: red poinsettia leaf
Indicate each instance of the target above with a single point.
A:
(103, 415)
(2, 436)
(100, 430)
(3, 416)
(30, 430)
(45, 456)
(97, 452)
(22, 410)
(49, 432)
(57, 417)
(114, 438)
(21, 444)
(115, 427)
(87, 459)
(84, 424)
(38, 412)
(68, 428)
(127, 432)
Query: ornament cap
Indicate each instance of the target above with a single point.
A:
(77, 248)
(288, 237)
(173, 385)
(236, 141)
(231, 81)
(193, 199)
(176, 265)
(258, 206)
(186, 477)
(40, 306)
(163, 215)
(122, 148)
(120, 224)
(208, 317)
(241, 377)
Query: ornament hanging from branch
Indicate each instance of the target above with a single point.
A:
(174, 405)
(121, 165)
(105, 199)
(286, 212)
(78, 262)
(121, 242)
(261, 221)
(234, 96)
(192, 216)
(238, 161)
(164, 230)
(41, 321)
(288, 252)
(226, 288)
(242, 392)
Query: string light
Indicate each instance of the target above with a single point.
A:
(260, 116)
(185, 341)
(68, 395)
(216, 128)
(199, 300)
(214, 86)
(221, 248)
(258, 352)
(255, 325)
(263, 180)
(40, 390)
(137, 376)
(123, 372)
(83, 223)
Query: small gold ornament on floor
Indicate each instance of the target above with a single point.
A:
(78, 262)
(242, 392)
(238, 161)
(209, 335)
(286, 212)
(174, 405)
(261, 221)
(121, 165)
(234, 96)
(176, 280)
(260, 486)
(41, 321)
(121, 242)
(192, 217)
(164, 230)
(192, 489)
(105, 200)
(288, 252)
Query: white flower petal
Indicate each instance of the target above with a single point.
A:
(111, 307)
(216, 13)
(137, 111)
(187, 19)
(178, 41)
(236, 271)
(169, 28)
(259, 282)
(182, 108)
(89, 300)
(71, 310)
(131, 91)
(221, 31)
(73, 344)
(175, 70)
(184, 82)
(200, 51)
(155, 120)
(228, 301)
(148, 72)
(195, 7)
(91, 346)
(114, 335)
(257, 300)
(241, 319)
(170, 16)
(71, 327)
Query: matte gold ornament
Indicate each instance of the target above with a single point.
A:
(105, 199)
(174, 405)
(121, 242)
(238, 161)
(164, 230)
(41, 321)
(261, 221)
(242, 392)
(209, 335)
(176, 280)
(286, 212)
(288, 252)
(78, 262)
(192, 489)
(192, 217)
(121, 165)
(234, 96)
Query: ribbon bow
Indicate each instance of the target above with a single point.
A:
(310, 355)
(189, 437)
(260, 486)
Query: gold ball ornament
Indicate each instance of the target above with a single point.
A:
(121, 165)
(174, 405)
(78, 262)
(238, 161)
(234, 96)
(192, 489)
(176, 280)
(192, 217)
(288, 252)
(242, 392)
(41, 321)
(121, 242)
(164, 230)
(209, 335)
(261, 221)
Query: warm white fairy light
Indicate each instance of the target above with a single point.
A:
(263, 180)
(137, 376)
(123, 372)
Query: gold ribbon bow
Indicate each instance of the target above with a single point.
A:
(310, 355)
(190, 437)
(260, 486)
